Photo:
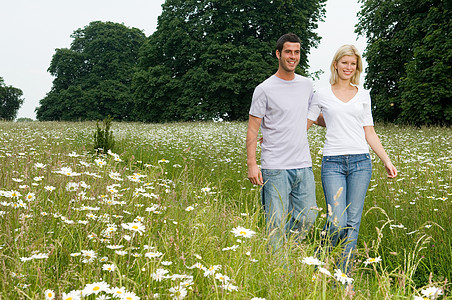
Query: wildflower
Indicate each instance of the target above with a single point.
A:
(342, 277)
(233, 248)
(49, 294)
(109, 267)
(178, 292)
(39, 166)
(163, 161)
(67, 171)
(100, 162)
(159, 274)
(166, 263)
(153, 254)
(432, 292)
(14, 194)
(88, 256)
(72, 295)
(242, 232)
(229, 287)
(130, 296)
(198, 266)
(114, 247)
(95, 288)
(206, 189)
(72, 186)
(372, 260)
(222, 278)
(49, 188)
(30, 197)
(312, 261)
(212, 270)
(189, 208)
(324, 271)
(121, 252)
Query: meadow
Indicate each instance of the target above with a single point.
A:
(170, 214)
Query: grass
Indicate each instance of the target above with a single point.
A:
(186, 183)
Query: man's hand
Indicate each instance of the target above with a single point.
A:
(255, 175)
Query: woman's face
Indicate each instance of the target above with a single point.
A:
(346, 67)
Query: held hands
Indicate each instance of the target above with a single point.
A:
(390, 169)
(255, 175)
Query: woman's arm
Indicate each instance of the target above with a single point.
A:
(374, 142)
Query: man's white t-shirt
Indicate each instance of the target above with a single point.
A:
(283, 105)
(344, 121)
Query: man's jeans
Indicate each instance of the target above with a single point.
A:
(352, 174)
(288, 193)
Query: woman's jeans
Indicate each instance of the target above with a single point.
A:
(345, 179)
(288, 197)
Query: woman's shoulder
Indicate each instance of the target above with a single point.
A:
(363, 93)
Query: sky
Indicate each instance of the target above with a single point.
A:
(31, 31)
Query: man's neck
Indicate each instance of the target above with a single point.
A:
(285, 75)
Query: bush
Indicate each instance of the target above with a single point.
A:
(103, 138)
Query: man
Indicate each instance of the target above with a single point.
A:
(279, 106)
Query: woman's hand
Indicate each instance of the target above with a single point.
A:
(390, 169)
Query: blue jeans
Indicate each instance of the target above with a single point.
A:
(288, 197)
(352, 173)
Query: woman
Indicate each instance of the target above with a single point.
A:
(346, 164)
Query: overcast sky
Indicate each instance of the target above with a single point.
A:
(31, 31)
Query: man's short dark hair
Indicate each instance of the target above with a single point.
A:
(288, 37)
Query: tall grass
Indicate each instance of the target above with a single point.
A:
(184, 187)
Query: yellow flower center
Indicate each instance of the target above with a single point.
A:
(242, 232)
(135, 227)
(96, 288)
(49, 295)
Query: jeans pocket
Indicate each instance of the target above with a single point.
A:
(329, 165)
(365, 164)
(271, 172)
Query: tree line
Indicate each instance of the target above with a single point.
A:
(409, 57)
(202, 62)
(206, 57)
(10, 101)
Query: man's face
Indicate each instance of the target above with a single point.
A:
(289, 57)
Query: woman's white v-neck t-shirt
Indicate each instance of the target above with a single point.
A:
(344, 121)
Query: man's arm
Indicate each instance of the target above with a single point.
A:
(320, 121)
(254, 173)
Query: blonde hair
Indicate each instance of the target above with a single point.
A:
(346, 50)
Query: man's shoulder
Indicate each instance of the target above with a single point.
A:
(269, 81)
(304, 79)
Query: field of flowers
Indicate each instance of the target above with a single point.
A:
(170, 214)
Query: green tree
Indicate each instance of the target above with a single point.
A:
(10, 101)
(409, 50)
(93, 78)
(206, 57)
